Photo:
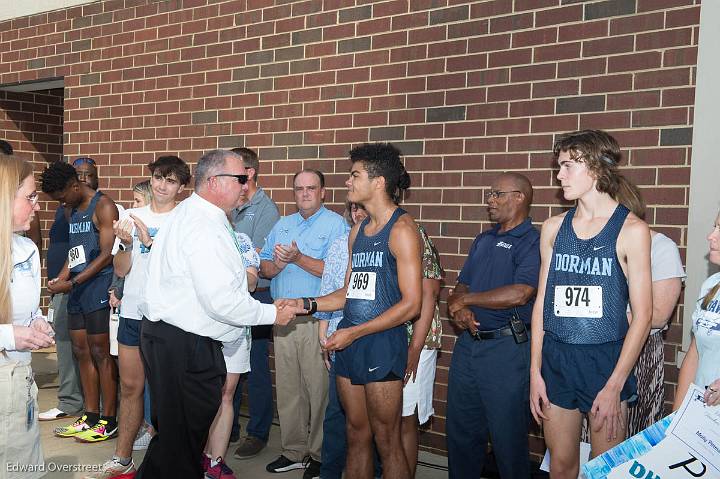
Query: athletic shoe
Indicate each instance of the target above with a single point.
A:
(112, 469)
(52, 415)
(283, 464)
(99, 432)
(142, 441)
(73, 429)
(250, 447)
(312, 468)
(219, 471)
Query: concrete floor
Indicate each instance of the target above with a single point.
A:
(66, 458)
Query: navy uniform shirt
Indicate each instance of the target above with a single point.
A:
(501, 259)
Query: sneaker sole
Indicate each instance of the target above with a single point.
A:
(55, 418)
(99, 439)
(69, 434)
(292, 467)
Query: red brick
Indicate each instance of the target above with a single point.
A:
(557, 52)
(682, 17)
(678, 96)
(487, 110)
(608, 46)
(544, 71)
(607, 83)
(663, 117)
(657, 157)
(510, 57)
(605, 121)
(510, 92)
(532, 108)
(662, 78)
(508, 127)
(663, 39)
(577, 68)
(555, 88)
(554, 123)
(637, 23)
(511, 22)
(489, 43)
(530, 143)
(634, 62)
(680, 56)
(641, 99)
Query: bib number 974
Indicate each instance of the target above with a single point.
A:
(578, 301)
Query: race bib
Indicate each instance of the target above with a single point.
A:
(361, 286)
(76, 256)
(579, 301)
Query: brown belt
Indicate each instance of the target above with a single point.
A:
(260, 290)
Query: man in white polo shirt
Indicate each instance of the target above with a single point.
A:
(196, 296)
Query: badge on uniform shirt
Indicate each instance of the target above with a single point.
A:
(361, 286)
(76, 256)
(578, 301)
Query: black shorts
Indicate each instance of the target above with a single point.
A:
(574, 374)
(97, 322)
(376, 357)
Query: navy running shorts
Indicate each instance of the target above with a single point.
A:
(376, 357)
(129, 332)
(91, 295)
(575, 373)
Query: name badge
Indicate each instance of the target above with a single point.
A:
(361, 286)
(76, 256)
(579, 301)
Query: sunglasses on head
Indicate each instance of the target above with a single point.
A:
(83, 159)
(242, 179)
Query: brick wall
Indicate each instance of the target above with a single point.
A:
(465, 89)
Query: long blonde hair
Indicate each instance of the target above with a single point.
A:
(710, 295)
(13, 172)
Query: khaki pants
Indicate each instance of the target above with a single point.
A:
(20, 451)
(301, 382)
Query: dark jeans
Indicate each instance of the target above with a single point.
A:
(259, 382)
(488, 389)
(186, 373)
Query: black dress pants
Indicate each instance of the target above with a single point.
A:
(186, 373)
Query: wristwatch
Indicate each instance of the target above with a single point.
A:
(73, 281)
(123, 247)
(310, 305)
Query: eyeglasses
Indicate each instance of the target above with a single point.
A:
(84, 159)
(242, 179)
(33, 198)
(497, 194)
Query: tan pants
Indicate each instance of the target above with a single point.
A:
(20, 451)
(301, 382)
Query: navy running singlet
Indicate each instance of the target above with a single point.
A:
(84, 239)
(373, 287)
(586, 295)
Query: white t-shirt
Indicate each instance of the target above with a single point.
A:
(24, 293)
(136, 278)
(706, 328)
(665, 262)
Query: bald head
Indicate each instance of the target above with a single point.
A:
(520, 183)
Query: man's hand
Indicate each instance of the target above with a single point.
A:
(123, 230)
(455, 302)
(538, 398)
(40, 324)
(326, 359)
(28, 338)
(606, 408)
(288, 254)
(295, 305)
(412, 364)
(465, 319)
(114, 301)
(284, 315)
(57, 285)
(340, 339)
(142, 231)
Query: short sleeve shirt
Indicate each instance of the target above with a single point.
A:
(502, 259)
(706, 328)
(431, 270)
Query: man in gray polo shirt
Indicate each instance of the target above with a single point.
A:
(256, 217)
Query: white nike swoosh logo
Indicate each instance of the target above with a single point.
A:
(595, 248)
(373, 369)
(103, 301)
(375, 244)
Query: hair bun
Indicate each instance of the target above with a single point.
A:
(404, 180)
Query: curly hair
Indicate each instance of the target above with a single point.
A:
(599, 151)
(56, 177)
(383, 159)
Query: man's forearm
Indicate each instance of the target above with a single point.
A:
(268, 269)
(313, 266)
(122, 262)
(94, 267)
(500, 298)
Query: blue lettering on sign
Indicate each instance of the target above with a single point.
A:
(83, 227)
(367, 259)
(639, 471)
(595, 266)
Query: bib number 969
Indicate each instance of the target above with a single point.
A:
(361, 285)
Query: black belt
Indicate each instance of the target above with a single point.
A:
(493, 334)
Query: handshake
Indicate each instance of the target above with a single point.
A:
(287, 309)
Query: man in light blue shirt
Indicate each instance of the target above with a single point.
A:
(293, 257)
